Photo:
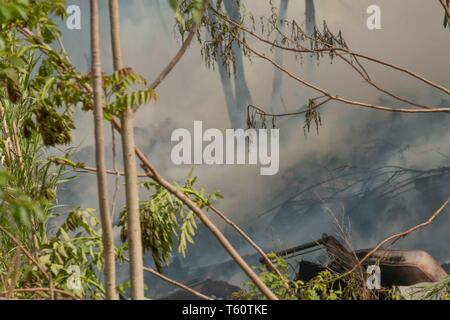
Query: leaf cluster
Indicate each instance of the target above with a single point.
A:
(126, 89)
(165, 222)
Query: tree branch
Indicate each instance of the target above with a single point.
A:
(446, 7)
(331, 49)
(403, 234)
(337, 98)
(31, 258)
(175, 283)
(180, 52)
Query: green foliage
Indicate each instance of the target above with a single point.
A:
(321, 288)
(21, 147)
(18, 205)
(76, 243)
(164, 220)
(325, 286)
(10, 10)
(41, 17)
(126, 89)
(272, 280)
(439, 290)
(187, 13)
(55, 89)
(9, 80)
(38, 95)
(50, 95)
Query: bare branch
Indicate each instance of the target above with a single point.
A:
(258, 249)
(331, 49)
(179, 54)
(403, 234)
(175, 283)
(446, 7)
(337, 98)
(31, 258)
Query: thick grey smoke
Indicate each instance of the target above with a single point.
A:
(356, 152)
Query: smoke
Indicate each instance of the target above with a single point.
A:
(242, 92)
(310, 21)
(278, 75)
(355, 150)
(227, 86)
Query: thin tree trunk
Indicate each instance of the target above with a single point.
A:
(102, 180)
(131, 183)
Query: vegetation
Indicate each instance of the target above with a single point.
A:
(52, 251)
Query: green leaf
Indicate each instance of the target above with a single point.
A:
(56, 268)
(197, 12)
(173, 4)
(21, 216)
(64, 234)
(45, 259)
(4, 177)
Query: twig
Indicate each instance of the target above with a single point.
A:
(446, 7)
(260, 111)
(14, 272)
(177, 284)
(180, 52)
(258, 249)
(367, 78)
(77, 166)
(337, 98)
(42, 289)
(332, 49)
(25, 251)
(32, 259)
(6, 136)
